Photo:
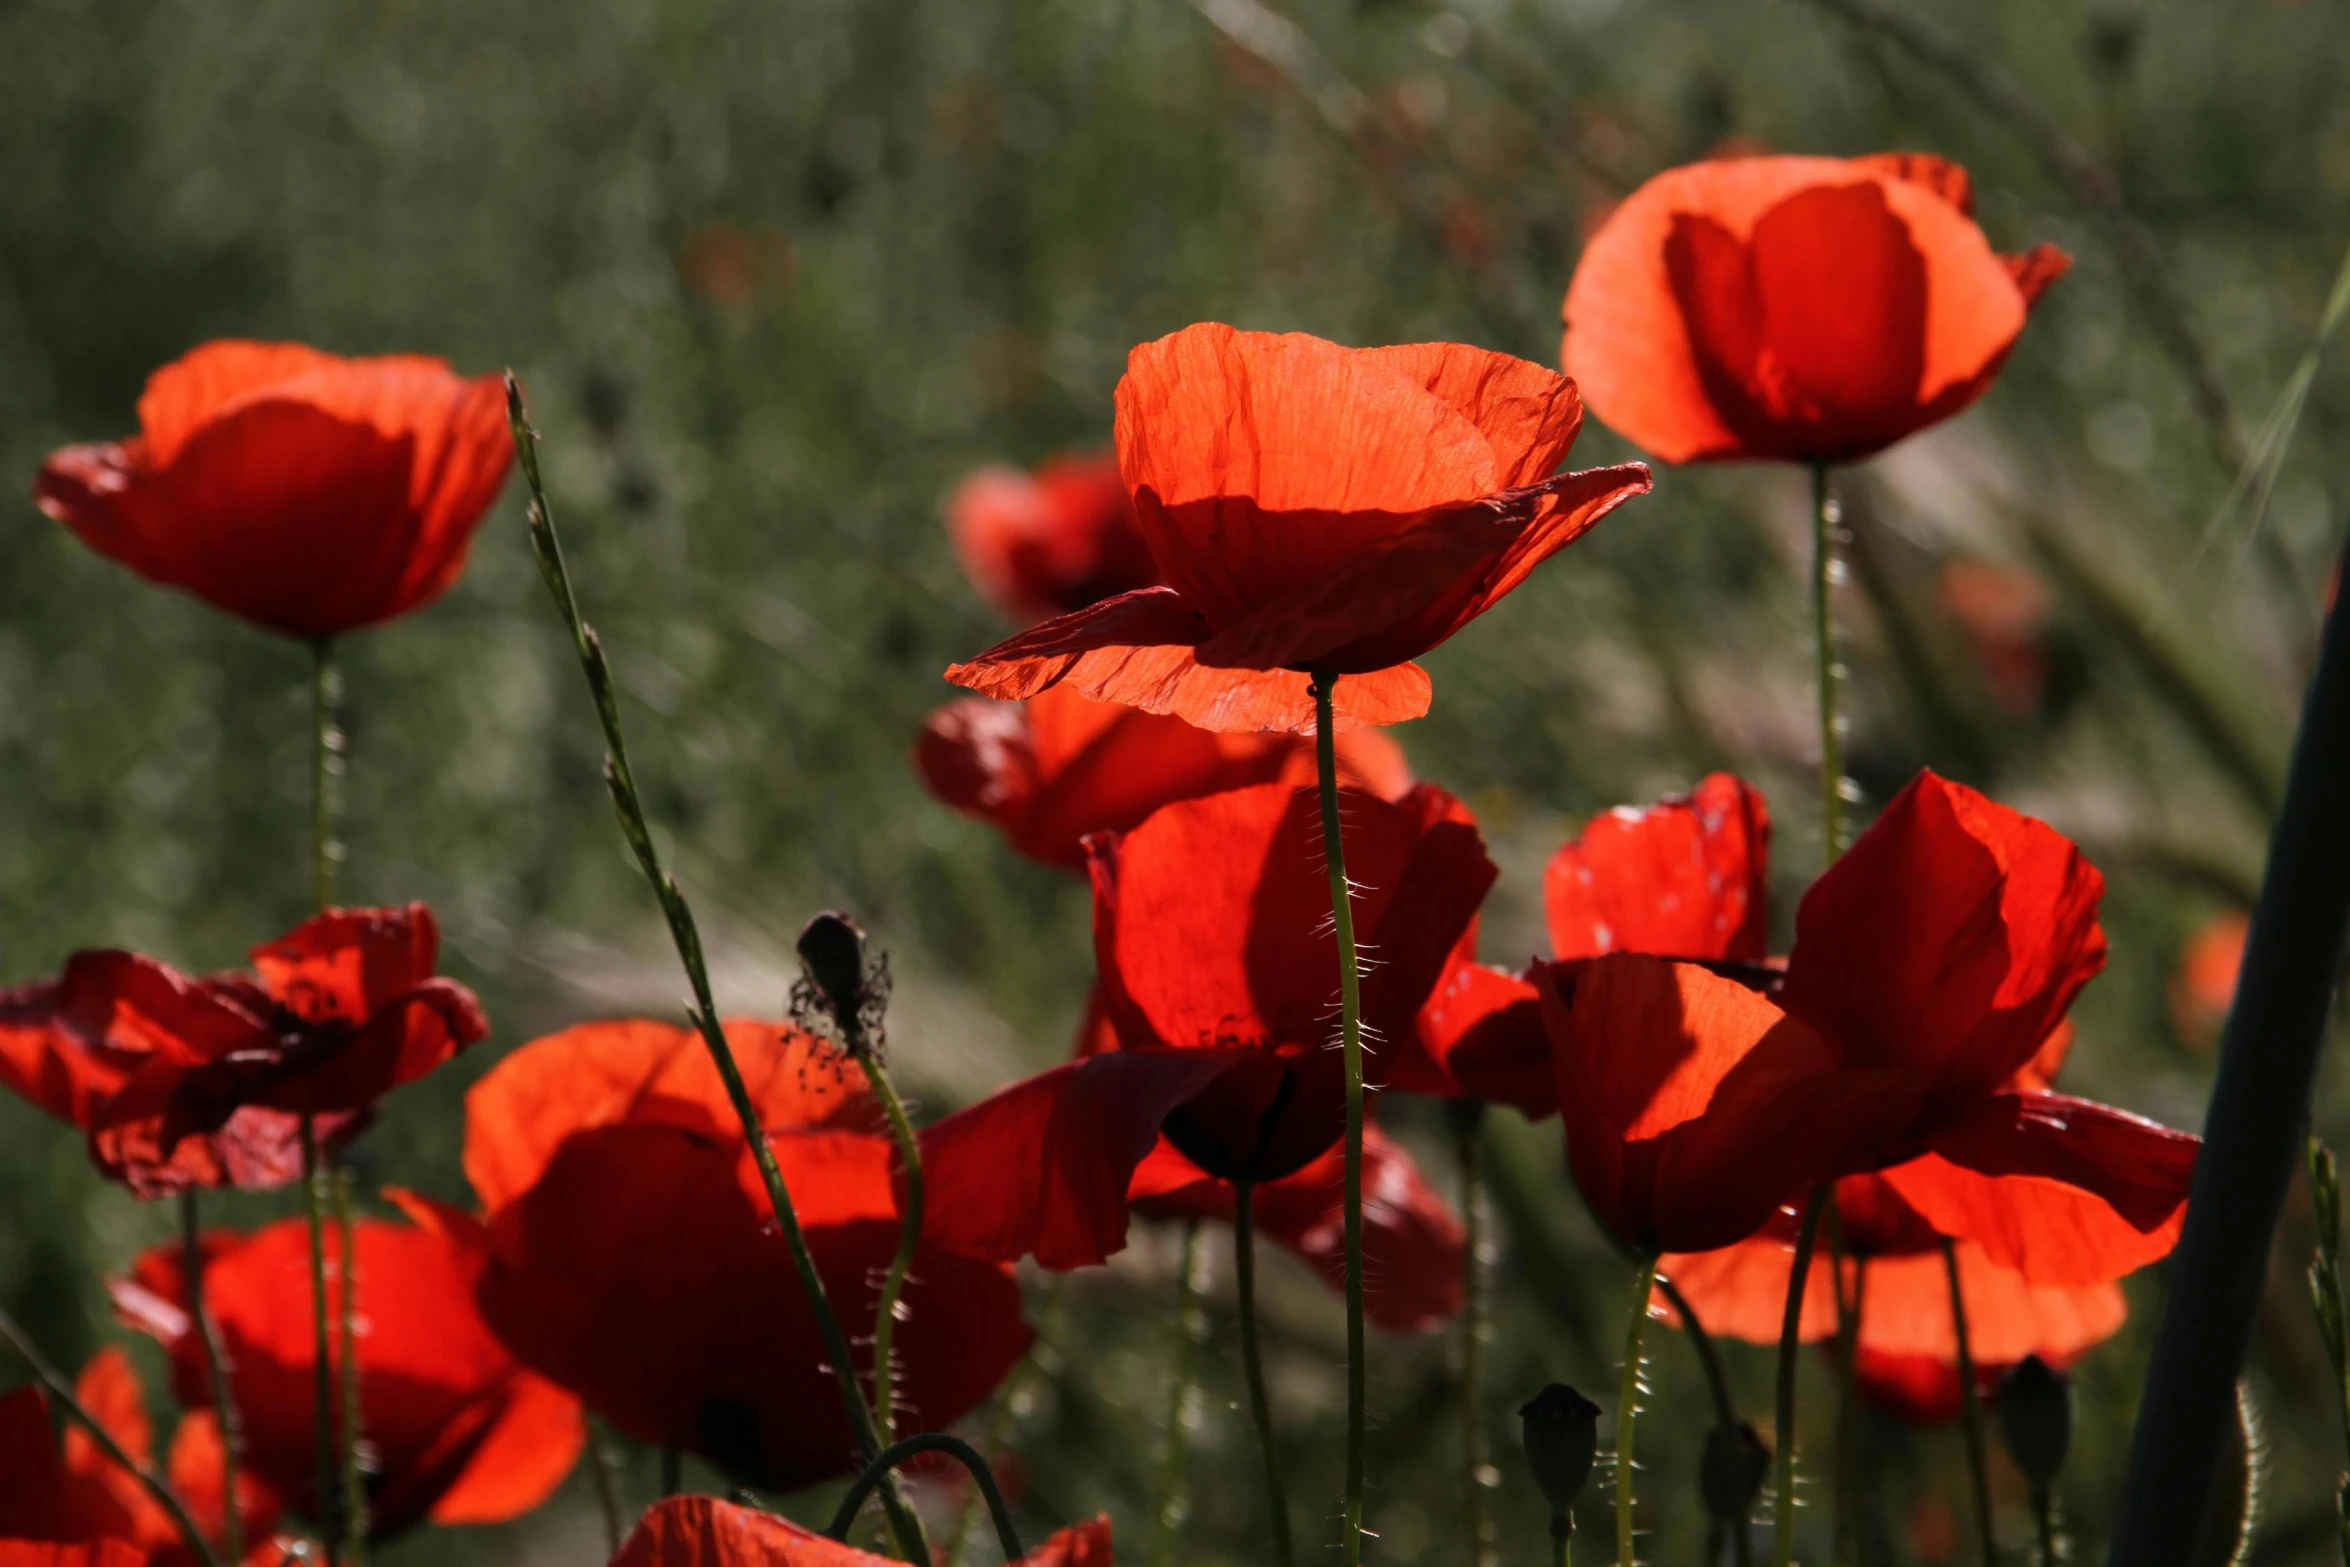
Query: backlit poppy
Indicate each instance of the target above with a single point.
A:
(185, 1081)
(307, 493)
(1217, 977)
(1312, 507)
(1687, 877)
(1059, 766)
(635, 1259)
(72, 1491)
(456, 1431)
(1045, 543)
(1796, 309)
(702, 1531)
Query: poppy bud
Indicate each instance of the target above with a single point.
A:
(1731, 1475)
(2036, 1418)
(1560, 1428)
(838, 991)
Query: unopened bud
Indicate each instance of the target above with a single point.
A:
(2036, 1418)
(840, 993)
(1560, 1428)
(833, 948)
(1731, 1476)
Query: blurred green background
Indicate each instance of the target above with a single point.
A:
(776, 274)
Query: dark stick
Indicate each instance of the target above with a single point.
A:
(2252, 1133)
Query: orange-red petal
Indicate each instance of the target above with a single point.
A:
(1687, 877)
(702, 1531)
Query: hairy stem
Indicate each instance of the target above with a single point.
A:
(224, 1402)
(1244, 1278)
(1468, 1128)
(1828, 670)
(1790, 1353)
(326, 768)
(893, 1287)
(1977, 1458)
(1350, 994)
(1167, 1515)
(347, 1349)
(322, 1382)
(1628, 1409)
(878, 1472)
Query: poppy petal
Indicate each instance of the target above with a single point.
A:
(523, 1457)
(702, 1531)
(2066, 1191)
(1687, 877)
(1479, 1035)
(349, 964)
(1043, 544)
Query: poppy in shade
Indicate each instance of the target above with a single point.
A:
(185, 1081)
(702, 1531)
(307, 493)
(86, 1553)
(1053, 769)
(1687, 877)
(164, 1069)
(457, 1430)
(1794, 309)
(1217, 971)
(1312, 507)
(636, 1261)
(71, 1491)
(2203, 987)
(1045, 543)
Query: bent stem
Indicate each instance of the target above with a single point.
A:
(685, 935)
(1790, 1348)
(322, 1386)
(1167, 1516)
(1628, 1407)
(893, 1287)
(1468, 1128)
(878, 1473)
(1350, 994)
(1978, 1464)
(224, 1403)
(347, 1346)
(1828, 672)
(1005, 1407)
(62, 1391)
(1244, 1280)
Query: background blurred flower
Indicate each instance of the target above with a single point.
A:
(307, 493)
(2004, 612)
(1045, 543)
(2203, 986)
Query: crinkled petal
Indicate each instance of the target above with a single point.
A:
(1687, 877)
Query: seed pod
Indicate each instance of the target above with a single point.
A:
(1560, 1428)
(2036, 1418)
(1731, 1475)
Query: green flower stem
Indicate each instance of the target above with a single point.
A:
(685, 935)
(1562, 1539)
(1468, 1129)
(347, 1348)
(326, 768)
(224, 1402)
(322, 1386)
(1828, 670)
(1978, 1463)
(60, 1390)
(1167, 1515)
(893, 1288)
(1628, 1409)
(878, 1472)
(607, 1485)
(1350, 993)
(2044, 1524)
(672, 1470)
(1790, 1352)
(1244, 1277)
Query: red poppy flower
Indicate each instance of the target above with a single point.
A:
(457, 1430)
(199, 1082)
(1045, 543)
(1060, 766)
(2004, 612)
(1687, 877)
(1217, 977)
(1797, 309)
(1311, 507)
(635, 1259)
(307, 493)
(2203, 987)
(702, 1531)
(74, 1492)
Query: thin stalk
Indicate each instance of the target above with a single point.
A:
(1790, 1352)
(326, 768)
(1350, 998)
(685, 935)
(1847, 1391)
(62, 1391)
(878, 1471)
(322, 1384)
(2044, 1524)
(1244, 1281)
(1562, 1539)
(1167, 1516)
(1717, 1382)
(672, 1470)
(893, 1287)
(1828, 671)
(607, 1485)
(1468, 1131)
(224, 1402)
(347, 1347)
(1977, 1461)
(1628, 1409)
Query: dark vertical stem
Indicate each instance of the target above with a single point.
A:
(1468, 1131)
(1244, 1280)
(2252, 1132)
(347, 1349)
(2044, 1524)
(1977, 1460)
(1167, 1516)
(322, 1388)
(607, 1485)
(672, 1470)
(1828, 672)
(1848, 1310)
(1350, 995)
(1790, 1353)
(1628, 1410)
(224, 1401)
